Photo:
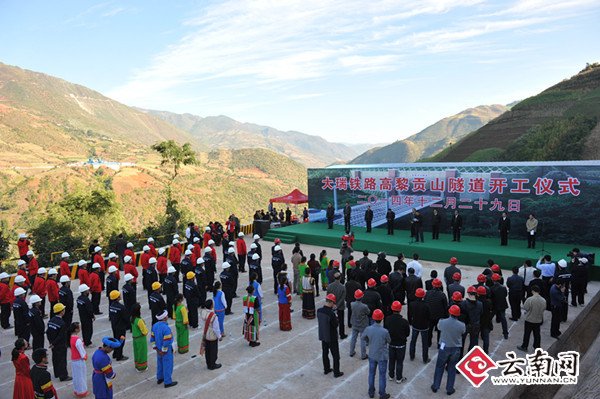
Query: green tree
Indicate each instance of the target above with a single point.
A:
(4, 245)
(174, 155)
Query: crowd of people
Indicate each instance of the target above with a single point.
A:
(179, 280)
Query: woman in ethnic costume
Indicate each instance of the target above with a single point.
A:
(251, 318)
(308, 296)
(140, 343)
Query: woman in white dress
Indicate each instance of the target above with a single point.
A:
(78, 358)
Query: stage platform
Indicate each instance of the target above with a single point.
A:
(471, 251)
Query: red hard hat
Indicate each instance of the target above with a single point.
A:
(352, 263)
(436, 282)
(384, 278)
(456, 276)
(457, 296)
(358, 294)
(377, 315)
(454, 310)
(420, 293)
(481, 290)
(396, 306)
(331, 297)
(371, 283)
(471, 289)
(481, 278)
(336, 263)
(495, 268)
(277, 240)
(453, 261)
(496, 277)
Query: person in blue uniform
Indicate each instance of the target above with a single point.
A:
(103, 371)
(162, 341)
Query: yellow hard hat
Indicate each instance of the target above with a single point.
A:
(190, 275)
(114, 294)
(59, 307)
(156, 285)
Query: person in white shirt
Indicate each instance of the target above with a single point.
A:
(526, 271)
(418, 268)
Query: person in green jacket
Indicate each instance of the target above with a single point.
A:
(302, 267)
(182, 325)
(140, 343)
(324, 268)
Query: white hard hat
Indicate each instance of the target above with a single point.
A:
(52, 271)
(231, 243)
(112, 269)
(21, 262)
(129, 245)
(81, 262)
(253, 246)
(161, 251)
(176, 236)
(562, 263)
(4, 275)
(171, 269)
(98, 249)
(128, 277)
(96, 266)
(33, 299)
(277, 248)
(112, 255)
(127, 258)
(211, 242)
(196, 239)
(199, 261)
(146, 248)
(19, 291)
(64, 279)
(231, 251)
(255, 257)
(190, 247)
(207, 250)
(42, 270)
(65, 255)
(175, 241)
(30, 252)
(19, 279)
(22, 235)
(187, 252)
(583, 260)
(240, 234)
(256, 237)
(83, 288)
(226, 265)
(207, 228)
(150, 239)
(152, 260)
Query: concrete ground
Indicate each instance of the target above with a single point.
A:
(287, 364)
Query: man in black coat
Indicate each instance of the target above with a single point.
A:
(450, 271)
(65, 296)
(347, 215)
(456, 224)
(328, 335)
(436, 220)
(412, 283)
(129, 293)
(171, 289)
(21, 314)
(504, 228)
(119, 321)
(372, 299)
(210, 267)
(192, 298)
(399, 330)
(390, 216)
(369, 218)
(438, 308)
(383, 265)
(86, 314)
(397, 282)
(201, 281)
(57, 339)
(515, 287)
(418, 317)
(329, 213)
(499, 304)
(419, 227)
(157, 302)
(228, 284)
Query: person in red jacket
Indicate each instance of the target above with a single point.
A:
(82, 273)
(153, 253)
(193, 256)
(175, 256)
(161, 265)
(32, 266)
(52, 289)
(96, 288)
(145, 257)
(112, 261)
(6, 300)
(178, 245)
(23, 245)
(39, 288)
(65, 270)
(198, 248)
(206, 237)
(22, 265)
(213, 251)
(129, 251)
(99, 259)
(130, 268)
(242, 252)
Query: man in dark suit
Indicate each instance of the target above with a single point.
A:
(328, 335)
(347, 214)
(419, 227)
(330, 213)
(368, 218)
(390, 217)
(436, 220)
(504, 228)
(412, 223)
(456, 224)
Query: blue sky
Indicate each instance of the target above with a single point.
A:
(354, 71)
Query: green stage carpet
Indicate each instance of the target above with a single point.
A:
(472, 251)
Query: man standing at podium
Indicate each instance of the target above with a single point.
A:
(504, 229)
(531, 226)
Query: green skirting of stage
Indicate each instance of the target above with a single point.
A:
(472, 251)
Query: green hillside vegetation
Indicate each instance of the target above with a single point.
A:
(560, 123)
(432, 139)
